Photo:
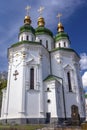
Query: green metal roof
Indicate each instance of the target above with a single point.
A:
(27, 28)
(61, 35)
(26, 42)
(42, 30)
(51, 77)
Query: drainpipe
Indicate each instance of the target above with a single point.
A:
(64, 99)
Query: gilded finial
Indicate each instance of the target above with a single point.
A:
(60, 26)
(27, 19)
(41, 21)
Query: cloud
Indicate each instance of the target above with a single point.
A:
(83, 61)
(84, 79)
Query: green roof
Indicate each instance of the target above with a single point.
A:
(65, 49)
(51, 77)
(26, 42)
(27, 28)
(42, 30)
(61, 35)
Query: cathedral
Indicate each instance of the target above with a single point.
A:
(44, 81)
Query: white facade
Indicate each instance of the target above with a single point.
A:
(44, 81)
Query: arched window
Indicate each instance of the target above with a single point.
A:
(21, 38)
(46, 44)
(27, 38)
(41, 41)
(69, 81)
(59, 44)
(32, 78)
(64, 44)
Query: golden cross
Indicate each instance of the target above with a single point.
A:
(27, 9)
(58, 16)
(40, 10)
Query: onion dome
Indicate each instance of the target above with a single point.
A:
(60, 27)
(41, 29)
(61, 34)
(41, 21)
(27, 25)
(27, 20)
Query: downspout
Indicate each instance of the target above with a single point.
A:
(64, 99)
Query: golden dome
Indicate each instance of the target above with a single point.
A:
(41, 21)
(60, 27)
(27, 20)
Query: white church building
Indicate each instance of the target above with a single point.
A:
(44, 81)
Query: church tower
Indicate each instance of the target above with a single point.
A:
(44, 82)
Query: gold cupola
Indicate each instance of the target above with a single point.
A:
(60, 27)
(41, 22)
(27, 20)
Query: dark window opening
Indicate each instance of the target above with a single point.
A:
(48, 101)
(46, 44)
(21, 38)
(69, 82)
(64, 44)
(32, 78)
(59, 45)
(48, 89)
(41, 41)
(27, 38)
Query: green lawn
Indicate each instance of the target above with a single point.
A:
(20, 127)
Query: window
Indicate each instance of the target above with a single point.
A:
(64, 44)
(69, 81)
(46, 44)
(32, 78)
(27, 38)
(21, 38)
(48, 101)
(59, 44)
(41, 41)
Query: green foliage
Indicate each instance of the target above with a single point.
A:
(20, 127)
(3, 84)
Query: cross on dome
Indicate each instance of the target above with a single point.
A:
(59, 16)
(40, 10)
(28, 9)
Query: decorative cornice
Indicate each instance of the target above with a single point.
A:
(65, 49)
(26, 42)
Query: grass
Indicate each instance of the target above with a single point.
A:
(20, 127)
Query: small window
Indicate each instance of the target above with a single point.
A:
(48, 101)
(59, 45)
(48, 89)
(46, 44)
(69, 82)
(27, 38)
(32, 78)
(21, 38)
(64, 44)
(41, 41)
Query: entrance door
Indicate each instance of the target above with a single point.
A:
(48, 116)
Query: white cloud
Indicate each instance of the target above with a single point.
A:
(83, 61)
(84, 79)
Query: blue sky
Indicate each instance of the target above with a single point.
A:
(74, 19)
